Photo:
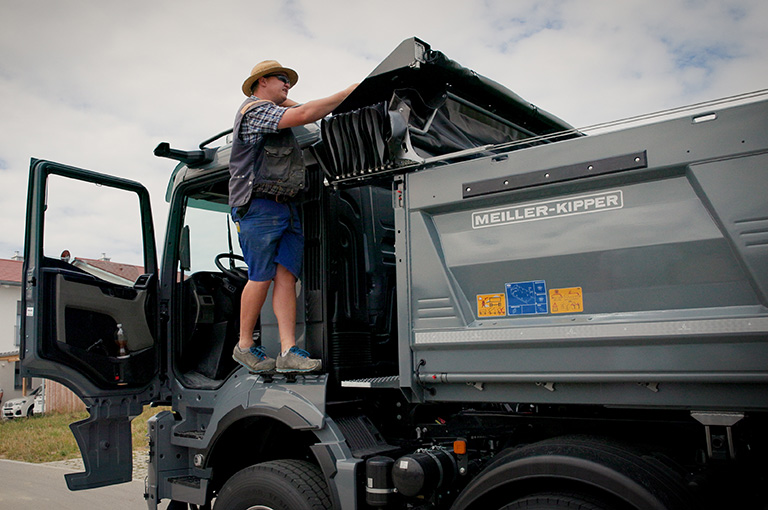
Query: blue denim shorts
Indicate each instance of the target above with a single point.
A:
(270, 234)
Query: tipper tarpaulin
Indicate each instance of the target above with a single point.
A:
(418, 104)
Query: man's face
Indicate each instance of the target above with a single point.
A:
(275, 88)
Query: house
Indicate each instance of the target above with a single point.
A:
(11, 383)
(56, 397)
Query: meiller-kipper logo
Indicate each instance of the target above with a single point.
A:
(549, 209)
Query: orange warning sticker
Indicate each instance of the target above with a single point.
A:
(491, 305)
(566, 300)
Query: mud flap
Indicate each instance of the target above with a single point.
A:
(104, 439)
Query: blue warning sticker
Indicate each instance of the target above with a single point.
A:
(527, 298)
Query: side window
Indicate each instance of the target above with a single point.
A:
(95, 228)
(211, 232)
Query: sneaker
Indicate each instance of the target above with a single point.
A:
(254, 359)
(297, 360)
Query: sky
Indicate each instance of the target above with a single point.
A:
(98, 84)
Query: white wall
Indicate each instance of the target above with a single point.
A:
(9, 296)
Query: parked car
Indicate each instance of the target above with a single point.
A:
(22, 406)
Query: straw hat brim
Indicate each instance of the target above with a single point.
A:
(268, 67)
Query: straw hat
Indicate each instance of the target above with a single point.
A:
(268, 67)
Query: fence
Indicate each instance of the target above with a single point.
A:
(60, 399)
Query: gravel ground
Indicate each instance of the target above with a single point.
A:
(140, 460)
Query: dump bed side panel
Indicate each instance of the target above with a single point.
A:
(642, 284)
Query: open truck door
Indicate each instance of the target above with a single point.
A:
(91, 322)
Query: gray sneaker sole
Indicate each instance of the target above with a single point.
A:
(297, 370)
(252, 369)
(288, 370)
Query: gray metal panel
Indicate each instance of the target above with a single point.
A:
(645, 331)
(676, 142)
(736, 190)
(619, 394)
(672, 270)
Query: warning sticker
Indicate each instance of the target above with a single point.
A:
(568, 300)
(491, 305)
(527, 298)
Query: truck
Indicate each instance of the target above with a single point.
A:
(511, 312)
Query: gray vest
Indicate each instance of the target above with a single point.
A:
(273, 164)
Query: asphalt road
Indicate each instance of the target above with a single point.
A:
(26, 486)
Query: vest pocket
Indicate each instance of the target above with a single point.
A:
(278, 163)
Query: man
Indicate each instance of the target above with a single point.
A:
(266, 174)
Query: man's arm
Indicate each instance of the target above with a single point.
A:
(314, 110)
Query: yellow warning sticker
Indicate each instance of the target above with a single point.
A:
(568, 300)
(491, 305)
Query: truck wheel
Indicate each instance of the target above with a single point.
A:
(548, 501)
(275, 485)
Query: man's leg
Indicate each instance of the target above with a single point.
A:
(251, 301)
(253, 358)
(284, 305)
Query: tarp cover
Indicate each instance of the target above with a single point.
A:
(418, 104)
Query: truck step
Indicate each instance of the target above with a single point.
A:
(191, 434)
(362, 436)
(186, 481)
(291, 377)
(389, 381)
(188, 488)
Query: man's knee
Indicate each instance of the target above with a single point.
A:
(284, 276)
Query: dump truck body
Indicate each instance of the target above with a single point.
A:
(645, 265)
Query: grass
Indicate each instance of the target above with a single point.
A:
(47, 438)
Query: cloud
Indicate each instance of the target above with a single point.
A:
(98, 85)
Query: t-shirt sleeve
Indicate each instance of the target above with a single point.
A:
(261, 120)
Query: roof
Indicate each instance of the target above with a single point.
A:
(9, 355)
(126, 271)
(10, 271)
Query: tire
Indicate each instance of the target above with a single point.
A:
(275, 485)
(547, 501)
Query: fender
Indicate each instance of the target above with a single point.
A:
(300, 406)
(601, 467)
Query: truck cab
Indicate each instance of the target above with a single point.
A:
(509, 311)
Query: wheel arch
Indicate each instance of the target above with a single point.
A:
(596, 467)
(246, 436)
(274, 433)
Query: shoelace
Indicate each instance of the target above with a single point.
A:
(299, 352)
(259, 352)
